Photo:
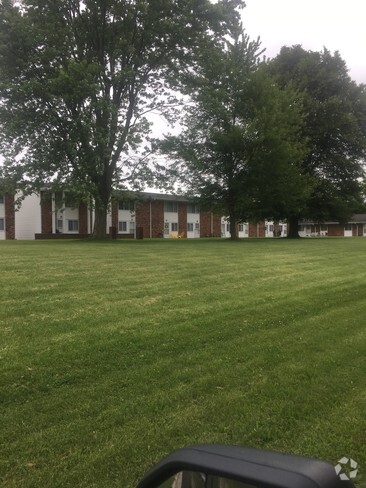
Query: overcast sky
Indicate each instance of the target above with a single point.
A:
(339, 25)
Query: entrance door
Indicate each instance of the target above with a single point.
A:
(348, 230)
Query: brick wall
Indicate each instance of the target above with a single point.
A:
(83, 218)
(210, 224)
(142, 217)
(205, 224)
(182, 219)
(252, 230)
(257, 229)
(216, 221)
(157, 218)
(9, 216)
(335, 230)
(46, 212)
(157, 211)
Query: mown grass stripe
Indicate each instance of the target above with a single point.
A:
(113, 354)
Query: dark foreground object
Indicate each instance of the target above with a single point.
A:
(217, 466)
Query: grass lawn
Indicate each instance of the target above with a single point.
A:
(114, 354)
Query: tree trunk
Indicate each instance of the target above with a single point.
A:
(100, 223)
(293, 228)
(102, 202)
(233, 228)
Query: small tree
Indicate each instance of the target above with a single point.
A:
(78, 76)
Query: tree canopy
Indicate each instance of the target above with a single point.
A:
(334, 126)
(78, 77)
(284, 139)
(240, 147)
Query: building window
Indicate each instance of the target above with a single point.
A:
(70, 201)
(174, 227)
(227, 227)
(132, 227)
(65, 200)
(73, 225)
(2, 226)
(241, 227)
(60, 225)
(122, 226)
(193, 209)
(323, 227)
(348, 227)
(171, 207)
(189, 227)
(1, 199)
(126, 205)
(197, 226)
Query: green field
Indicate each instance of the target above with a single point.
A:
(114, 354)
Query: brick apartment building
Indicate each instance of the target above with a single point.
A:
(155, 215)
(51, 215)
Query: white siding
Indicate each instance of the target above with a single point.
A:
(70, 214)
(225, 227)
(171, 225)
(269, 227)
(283, 227)
(305, 231)
(109, 221)
(128, 217)
(28, 218)
(243, 229)
(194, 220)
(64, 215)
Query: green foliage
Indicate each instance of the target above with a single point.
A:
(241, 144)
(276, 183)
(78, 77)
(334, 126)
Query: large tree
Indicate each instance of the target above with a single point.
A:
(335, 129)
(77, 77)
(240, 145)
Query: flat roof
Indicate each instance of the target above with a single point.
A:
(143, 195)
(355, 219)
